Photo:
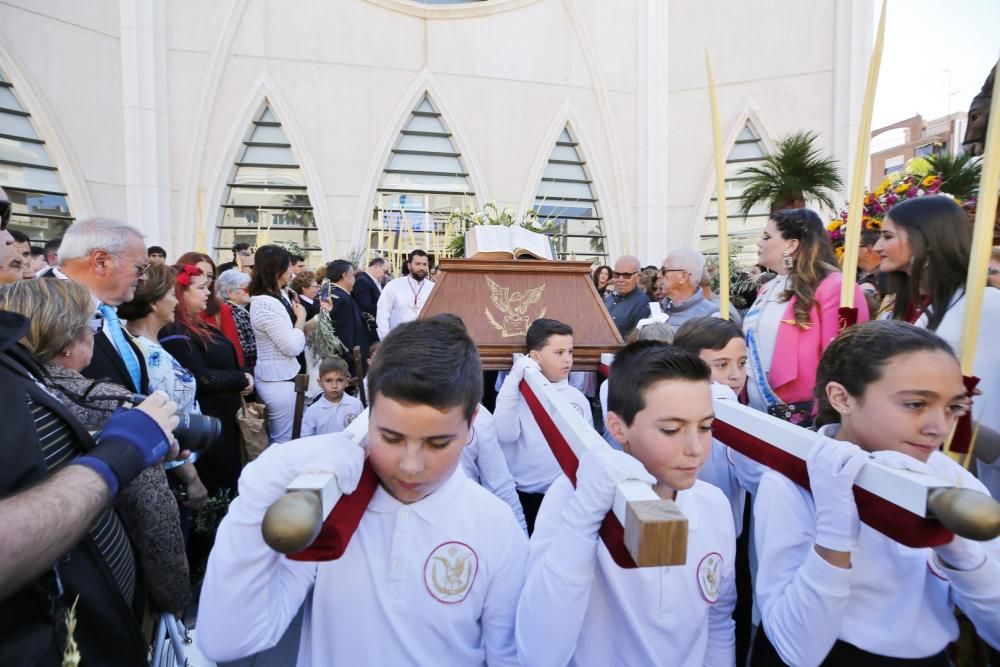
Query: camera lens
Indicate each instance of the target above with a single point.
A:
(197, 432)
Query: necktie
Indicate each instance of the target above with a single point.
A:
(125, 351)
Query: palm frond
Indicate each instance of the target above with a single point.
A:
(960, 174)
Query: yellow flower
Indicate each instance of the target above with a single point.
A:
(839, 252)
(928, 181)
(834, 225)
(882, 188)
(902, 187)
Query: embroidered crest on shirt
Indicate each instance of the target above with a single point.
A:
(450, 571)
(514, 307)
(578, 409)
(709, 576)
(348, 418)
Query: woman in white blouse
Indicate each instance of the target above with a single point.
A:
(277, 324)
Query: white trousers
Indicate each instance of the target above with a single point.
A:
(279, 397)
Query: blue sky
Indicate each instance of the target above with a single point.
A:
(936, 56)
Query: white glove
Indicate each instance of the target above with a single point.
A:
(521, 363)
(833, 466)
(960, 554)
(266, 478)
(723, 392)
(601, 470)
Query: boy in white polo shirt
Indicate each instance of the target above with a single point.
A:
(578, 607)
(550, 349)
(432, 574)
(334, 410)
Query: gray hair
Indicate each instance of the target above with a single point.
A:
(85, 236)
(631, 260)
(230, 280)
(660, 331)
(690, 260)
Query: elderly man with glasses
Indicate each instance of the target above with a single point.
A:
(682, 271)
(626, 304)
(109, 258)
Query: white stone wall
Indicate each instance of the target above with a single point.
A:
(144, 104)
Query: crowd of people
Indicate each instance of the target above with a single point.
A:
(126, 373)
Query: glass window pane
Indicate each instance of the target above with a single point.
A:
(307, 241)
(745, 151)
(747, 133)
(267, 116)
(425, 105)
(557, 170)
(564, 136)
(252, 217)
(268, 155)
(15, 125)
(23, 151)
(565, 153)
(413, 142)
(268, 134)
(437, 163)
(262, 197)
(269, 176)
(560, 189)
(29, 178)
(40, 229)
(36, 203)
(424, 182)
(7, 99)
(425, 124)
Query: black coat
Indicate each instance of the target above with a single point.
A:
(349, 326)
(366, 293)
(107, 364)
(107, 631)
(220, 381)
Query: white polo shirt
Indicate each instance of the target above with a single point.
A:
(483, 462)
(720, 471)
(326, 417)
(529, 458)
(431, 583)
(579, 608)
(894, 600)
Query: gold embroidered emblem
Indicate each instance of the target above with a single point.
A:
(450, 571)
(709, 576)
(514, 308)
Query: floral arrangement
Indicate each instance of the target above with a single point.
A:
(491, 214)
(916, 180)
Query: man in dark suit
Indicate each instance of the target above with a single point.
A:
(108, 257)
(366, 291)
(346, 314)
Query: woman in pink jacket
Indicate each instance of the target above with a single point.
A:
(796, 315)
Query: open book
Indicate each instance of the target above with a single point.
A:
(498, 242)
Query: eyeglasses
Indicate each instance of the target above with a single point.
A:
(619, 274)
(140, 269)
(95, 323)
(664, 271)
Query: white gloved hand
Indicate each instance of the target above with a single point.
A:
(960, 554)
(723, 392)
(901, 461)
(601, 470)
(522, 362)
(265, 479)
(833, 466)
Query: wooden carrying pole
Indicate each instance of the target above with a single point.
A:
(301, 386)
(655, 530)
(915, 509)
(359, 374)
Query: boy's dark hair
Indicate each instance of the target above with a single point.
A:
(337, 269)
(373, 348)
(53, 244)
(638, 365)
(297, 258)
(857, 356)
(19, 236)
(37, 251)
(706, 333)
(428, 362)
(542, 329)
(155, 249)
(449, 318)
(333, 365)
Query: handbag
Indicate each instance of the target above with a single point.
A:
(252, 420)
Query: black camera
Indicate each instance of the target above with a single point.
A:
(194, 432)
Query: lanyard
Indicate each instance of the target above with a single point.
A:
(416, 292)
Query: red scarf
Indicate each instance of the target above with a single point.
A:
(224, 322)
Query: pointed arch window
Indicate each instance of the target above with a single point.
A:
(748, 151)
(28, 175)
(423, 182)
(565, 197)
(267, 194)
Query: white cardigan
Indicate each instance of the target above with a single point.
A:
(278, 342)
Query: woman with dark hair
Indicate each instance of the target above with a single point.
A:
(925, 248)
(152, 308)
(217, 312)
(602, 279)
(211, 358)
(278, 327)
(795, 316)
(828, 584)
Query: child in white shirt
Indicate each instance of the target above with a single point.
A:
(334, 410)
(433, 572)
(534, 467)
(578, 606)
